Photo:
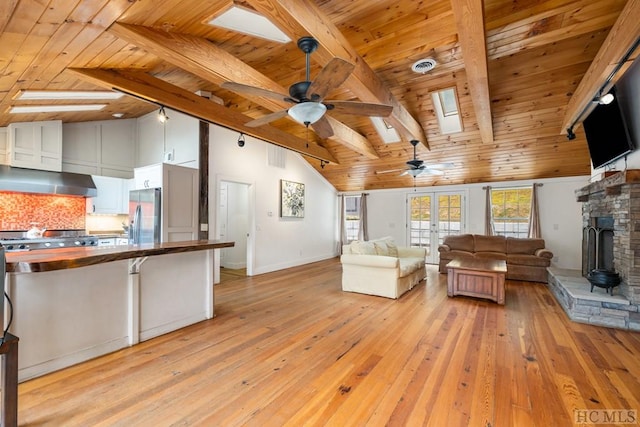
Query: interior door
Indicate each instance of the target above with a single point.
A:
(432, 217)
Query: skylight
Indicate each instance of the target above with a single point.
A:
(445, 104)
(68, 94)
(23, 109)
(387, 132)
(249, 22)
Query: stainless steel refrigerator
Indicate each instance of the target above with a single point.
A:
(145, 216)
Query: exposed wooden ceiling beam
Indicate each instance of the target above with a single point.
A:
(152, 89)
(621, 38)
(204, 59)
(300, 18)
(469, 16)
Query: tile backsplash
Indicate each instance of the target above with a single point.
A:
(53, 212)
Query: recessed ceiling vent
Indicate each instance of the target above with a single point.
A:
(424, 65)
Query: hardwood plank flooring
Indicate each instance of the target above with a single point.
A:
(290, 348)
(228, 274)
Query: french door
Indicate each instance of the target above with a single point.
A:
(432, 217)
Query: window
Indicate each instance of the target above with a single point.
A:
(449, 215)
(445, 106)
(510, 209)
(352, 217)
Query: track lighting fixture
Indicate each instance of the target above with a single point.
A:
(241, 140)
(570, 135)
(604, 99)
(162, 115)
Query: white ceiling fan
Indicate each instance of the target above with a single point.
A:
(417, 167)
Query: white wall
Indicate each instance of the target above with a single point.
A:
(282, 243)
(279, 242)
(560, 214)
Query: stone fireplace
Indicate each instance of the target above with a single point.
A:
(611, 225)
(610, 241)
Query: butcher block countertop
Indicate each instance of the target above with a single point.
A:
(60, 259)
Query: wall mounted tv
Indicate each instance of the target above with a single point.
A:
(607, 134)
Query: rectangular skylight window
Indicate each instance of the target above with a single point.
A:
(445, 105)
(68, 94)
(24, 109)
(385, 130)
(249, 22)
(448, 102)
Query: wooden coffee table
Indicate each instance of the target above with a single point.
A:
(477, 278)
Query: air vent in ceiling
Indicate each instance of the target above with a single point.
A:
(424, 65)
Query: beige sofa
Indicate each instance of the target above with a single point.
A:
(379, 267)
(527, 259)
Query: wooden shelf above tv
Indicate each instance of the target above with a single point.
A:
(610, 184)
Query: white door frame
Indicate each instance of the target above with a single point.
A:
(434, 229)
(251, 247)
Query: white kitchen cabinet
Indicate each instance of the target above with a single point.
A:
(148, 176)
(111, 196)
(176, 141)
(35, 145)
(3, 146)
(179, 198)
(105, 148)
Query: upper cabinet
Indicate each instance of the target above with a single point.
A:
(35, 145)
(3, 146)
(106, 148)
(176, 141)
(112, 198)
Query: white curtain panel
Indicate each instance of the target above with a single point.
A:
(363, 229)
(534, 215)
(488, 216)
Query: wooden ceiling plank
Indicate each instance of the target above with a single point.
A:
(204, 59)
(344, 135)
(523, 41)
(621, 38)
(306, 18)
(6, 10)
(162, 93)
(470, 24)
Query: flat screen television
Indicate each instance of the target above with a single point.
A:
(607, 134)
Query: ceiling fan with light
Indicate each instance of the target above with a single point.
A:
(308, 96)
(416, 167)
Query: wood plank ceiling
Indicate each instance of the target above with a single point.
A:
(514, 64)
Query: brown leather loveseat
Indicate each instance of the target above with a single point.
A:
(527, 259)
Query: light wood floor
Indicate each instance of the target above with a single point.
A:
(228, 274)
(290, 348)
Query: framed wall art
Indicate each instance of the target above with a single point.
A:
(291, 199)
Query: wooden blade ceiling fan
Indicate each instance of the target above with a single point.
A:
(416, 167)
(308, 96)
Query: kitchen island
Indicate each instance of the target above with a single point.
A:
(71, 305)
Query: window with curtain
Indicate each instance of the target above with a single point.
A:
(511, 208)
(352, 217)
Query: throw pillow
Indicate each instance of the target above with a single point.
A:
(381, 248)
(392, 247)
(363, 248)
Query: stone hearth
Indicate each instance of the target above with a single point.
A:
(598, 308)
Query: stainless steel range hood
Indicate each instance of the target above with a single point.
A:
(45, 182)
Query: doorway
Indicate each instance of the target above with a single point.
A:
(432, 217)
(235, 219)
